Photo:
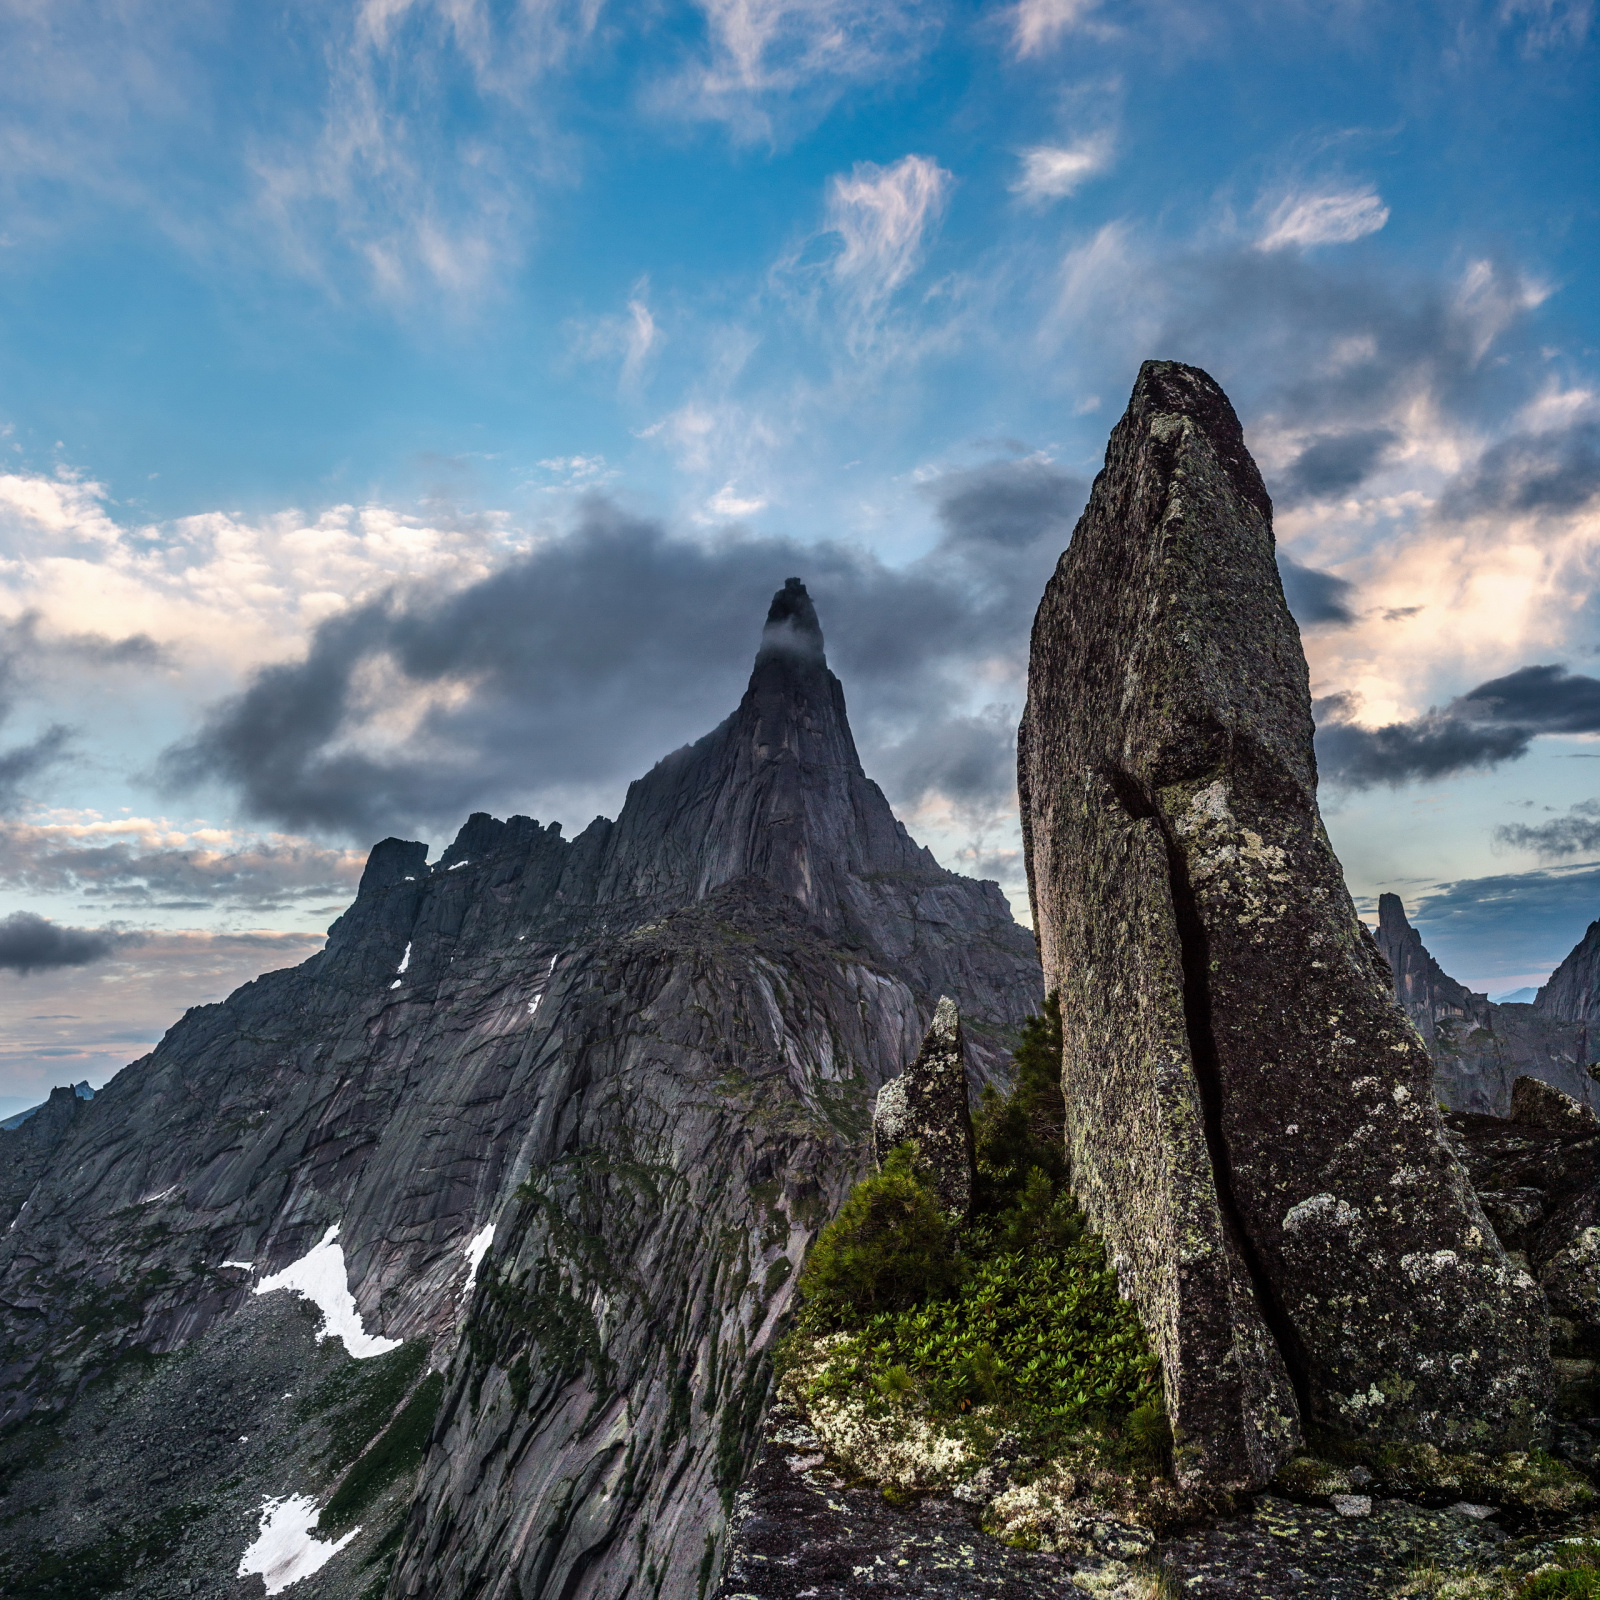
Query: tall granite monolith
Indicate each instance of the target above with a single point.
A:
(1249, 1115)
(927, 1105)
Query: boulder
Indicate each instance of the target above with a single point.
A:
(927, 1105)
(1249, 1114)
(1541, 1105)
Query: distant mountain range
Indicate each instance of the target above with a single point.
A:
(1481, 1046)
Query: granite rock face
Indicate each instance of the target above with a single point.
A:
(1480, 1048)
(1249, 1114)
(576, 1107)
(927, 1104)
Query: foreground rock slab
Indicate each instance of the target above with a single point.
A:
(1249, 1114)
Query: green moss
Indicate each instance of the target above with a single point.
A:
(359, 1397)
(396, 1453)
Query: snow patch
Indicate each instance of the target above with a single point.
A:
(285, 1551)
(395, 984)
(243, 1266)
(477, 1248)
(150, 1199)
(319, 1276)
(533, 1004)
(405, 960)
(457, 866)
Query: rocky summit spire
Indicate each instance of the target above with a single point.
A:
(775, 794)
(1249, 1114)
(792, 631)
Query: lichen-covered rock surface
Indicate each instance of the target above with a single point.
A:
(576, 1108)
(927, 1105)
(1250, 1116)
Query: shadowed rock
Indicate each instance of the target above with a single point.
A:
(927, 1104)
(1249, 1115)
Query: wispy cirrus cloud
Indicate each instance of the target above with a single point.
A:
(1326, 216)
(1039, 25)
(767, 66)
(884, 215)
(1053, 172)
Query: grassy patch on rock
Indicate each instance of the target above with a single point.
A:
(926, 1352)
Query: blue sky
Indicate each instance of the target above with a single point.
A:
(407, 407)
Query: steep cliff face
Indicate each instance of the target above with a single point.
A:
(1480, 1049)
(575, 1109)
(1573, 992)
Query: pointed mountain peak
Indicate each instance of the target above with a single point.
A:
(792, 630)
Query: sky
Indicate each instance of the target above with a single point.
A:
(408, 407)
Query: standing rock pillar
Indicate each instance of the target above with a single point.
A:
(1249, 1113)
(927, 1105)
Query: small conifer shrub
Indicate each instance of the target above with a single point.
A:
(889, 1249)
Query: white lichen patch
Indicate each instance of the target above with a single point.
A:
(1050, 1514)
(900, 1449)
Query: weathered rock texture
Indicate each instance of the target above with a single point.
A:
(927, 1104)
(642, 1059)
(1479, 1048)
(1538, 1178)
(1249, 1115)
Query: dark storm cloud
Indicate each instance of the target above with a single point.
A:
(1494, 722)
(30, 943)
(972, 761)
(23, 762)
(1332, 465)
(1577, 833)
(1431, 746)
(1315, 597)
(1555, 471)
(593, 655)
(1548, 699)
(1008, 504)
(125, 876)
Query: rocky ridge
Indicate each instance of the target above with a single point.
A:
(1480, 1048)
(575, 1108)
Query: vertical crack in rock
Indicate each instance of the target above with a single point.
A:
(1195, 948)
(1249, 1114)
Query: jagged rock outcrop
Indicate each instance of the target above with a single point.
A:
(927, 1104)
(576, 1108)
(1573, 991)
(1249, 1115)
(1539, 1105)
(1480, 1048)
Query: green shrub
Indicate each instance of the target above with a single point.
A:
(1575, 1578)
(1026, 1129)
(888, 1249)
(1015, 1309)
